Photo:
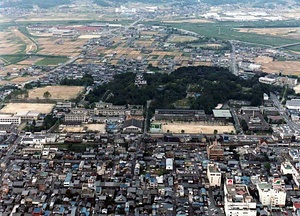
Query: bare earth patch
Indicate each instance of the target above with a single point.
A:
(84, 128)
(196, 128)
(57, 92)
(285, 67)
(22, 107)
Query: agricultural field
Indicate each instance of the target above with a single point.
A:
(51, 61)
(30, 61)
(10, 44)
(57, 92)
(286, 67)
(20, 80)
(292, 33)
(23, 107)
(195, 128)
(230, 31)
(60, 46)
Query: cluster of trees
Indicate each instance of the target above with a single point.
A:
(49, 121)
(86, 80)
(212, 85)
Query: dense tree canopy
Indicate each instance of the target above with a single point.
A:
(211, 85)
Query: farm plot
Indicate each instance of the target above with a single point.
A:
(286, 67)
(10, 44)
(293, 33)
(61, 46)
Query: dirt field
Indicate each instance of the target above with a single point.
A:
(20, 80)
(9, 43)
(286, 67)
(88, 36)
(263, 60)
(297, 89)
(30, 45)
(180, 39)
(86, 127)
(22, 107)
(293, 33)
(57, 92)
(196, 128)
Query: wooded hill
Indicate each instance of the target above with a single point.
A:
(205, 86)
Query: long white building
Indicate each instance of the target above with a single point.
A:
(10, 119)
(213, 175)
(237, 200)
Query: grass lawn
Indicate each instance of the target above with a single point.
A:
(13, 59)
(52, 61)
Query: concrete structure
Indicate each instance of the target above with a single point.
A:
(10, 119)
(288, 168)
(267, 80)
(293, 104)
(133, 126)
(75, 117)
(237, 200)
(213, 175)
(179, 115)
(272, 194)
(215, 151)
(224, 114)
(169, 164)
(28, 115)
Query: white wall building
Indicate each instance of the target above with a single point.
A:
(237, 200)
(287, 168)
(293, 104)
(169, 164)
(272, 194)
(10, 119)
(213, 175)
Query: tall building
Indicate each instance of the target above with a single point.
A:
(215, 151)
(272, 193)
(237, 200)
(213, 175)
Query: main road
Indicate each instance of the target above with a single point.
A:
(234, 68)
(295, 127)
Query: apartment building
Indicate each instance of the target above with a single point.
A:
(272, 193)
(214, 175)
(237, 200)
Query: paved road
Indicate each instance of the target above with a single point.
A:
(145, 123)
(293, 126)
(234, 68)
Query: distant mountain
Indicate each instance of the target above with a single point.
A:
(30, 3)
(253, 2)
(53, 3)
